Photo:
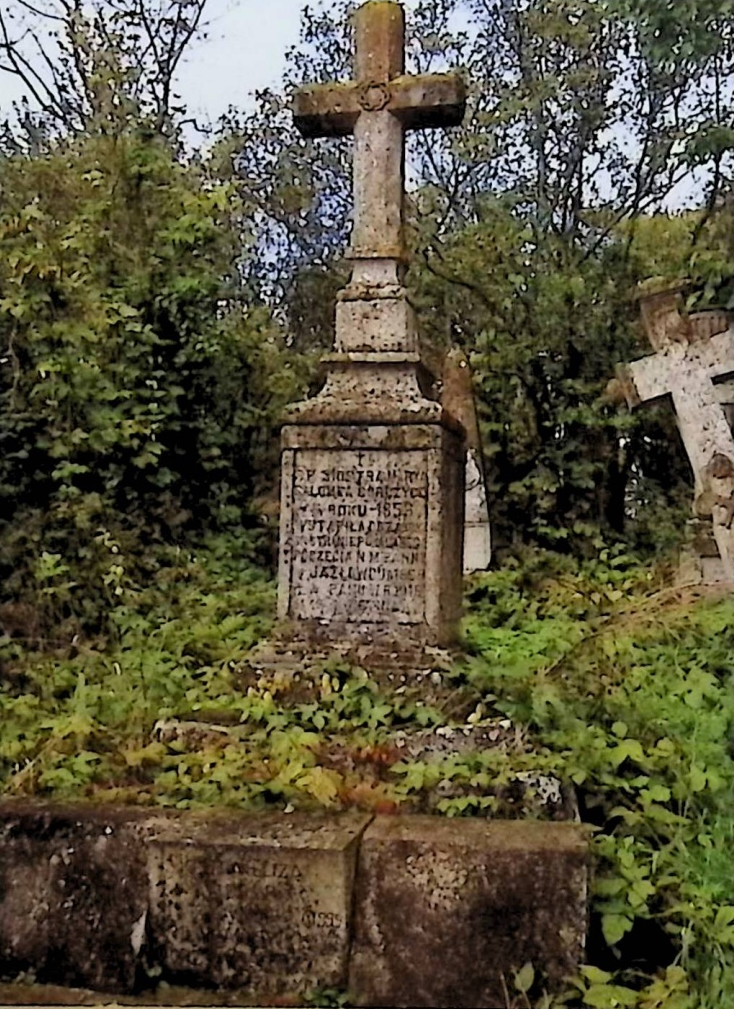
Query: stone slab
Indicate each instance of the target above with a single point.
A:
(92, 898)
(477, 529)
(371, 531)
(258, 902)
(446, 908)
(265, 908)
(73, 895)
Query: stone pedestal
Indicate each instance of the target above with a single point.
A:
(260, 902)
(257, 902)
(447, 910)
(372, 490)
(399, 910)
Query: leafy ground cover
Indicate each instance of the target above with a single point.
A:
(597, 674)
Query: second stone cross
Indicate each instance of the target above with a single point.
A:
(372, 468)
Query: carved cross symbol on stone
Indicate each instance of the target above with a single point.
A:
(685, 369)
(378, 107)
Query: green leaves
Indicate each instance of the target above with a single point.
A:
(628, 749)
(634, 702)
(135, 375)
(642, 728)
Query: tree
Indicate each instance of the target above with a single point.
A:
(107, 63)
(582, 120)
(138, 392)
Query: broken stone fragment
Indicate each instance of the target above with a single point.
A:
(694, 357)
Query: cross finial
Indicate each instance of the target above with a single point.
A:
(378, 106)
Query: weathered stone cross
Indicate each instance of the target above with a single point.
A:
(685, 369)
(372, 467)
(378, 107)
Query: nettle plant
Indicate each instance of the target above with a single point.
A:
(628, 694)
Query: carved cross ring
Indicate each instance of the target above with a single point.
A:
(374, 96)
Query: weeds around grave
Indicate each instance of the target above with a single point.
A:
(607, 678)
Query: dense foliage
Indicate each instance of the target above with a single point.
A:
(141, 287)
(587, 122)
(595, 674)
(138, 393)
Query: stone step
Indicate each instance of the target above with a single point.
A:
(399, 910)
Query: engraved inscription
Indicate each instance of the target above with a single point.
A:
(254, 918)
(324, 921)
(359, 536)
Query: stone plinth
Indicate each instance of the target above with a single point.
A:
(259, 902)
(73, 895)
(371, 530)
(266, 908)
(446, 908)
(372, 494)
(90, 898)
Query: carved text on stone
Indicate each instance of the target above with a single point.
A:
(360, 535)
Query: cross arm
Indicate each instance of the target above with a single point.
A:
(326, 110)
(716, 355)
(651, 377)
(428, 100)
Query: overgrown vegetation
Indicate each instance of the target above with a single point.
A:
(597, 675)
(139, 393)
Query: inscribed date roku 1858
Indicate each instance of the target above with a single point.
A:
(360, 535)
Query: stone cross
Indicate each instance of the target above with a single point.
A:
(685, 368)
(378, 106)
(372, 490)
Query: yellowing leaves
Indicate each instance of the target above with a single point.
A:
(322, 784)
(145, 756)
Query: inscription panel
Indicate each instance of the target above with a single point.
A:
(359, 535)
(271, 923)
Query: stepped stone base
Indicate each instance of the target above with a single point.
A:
(404, 910)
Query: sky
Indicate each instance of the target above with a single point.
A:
(245, 51)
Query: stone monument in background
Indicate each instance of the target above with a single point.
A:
(694, 364)
(457, 397)
(372, 494)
